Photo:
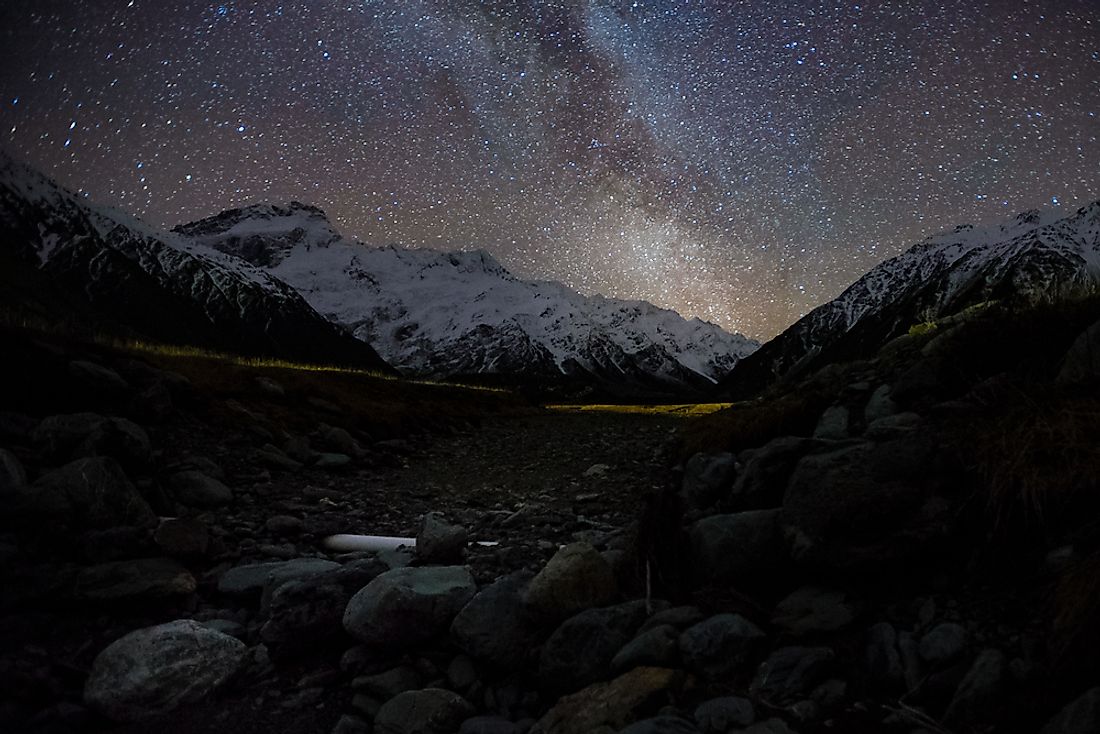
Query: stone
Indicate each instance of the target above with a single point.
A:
(247, 580)
(332, 461)
(771, 726)
(943, 643)
(790, 673)
(429, 711)
(291, 570)
(134, 580)
(580, 651)
(389, 683)
(489, 725)
(348, 724)
(299, 449)
(407, 606)
(879, 405)
(97, 377)
(283, 525)
(661, 725)
(276, 459)
(461, 673)
(195, 489)
(763, 480)
(1080, 716)
(679, 617)
(340, 441)
(270, 387)
(576, 578)
(227, 627)
(720, 645)
(833, 423)
(980, 697)
(1082, 360)
(719, 715)
(86, 493)
(12, 474)
(494, 627)
(707, 477)
(154, 670)
(882, 658)
(75, 435)
(892, 426)
(439, 541)
(738, 547)
(657, 646)
(182, 537)
(812, 609)
(613, 703)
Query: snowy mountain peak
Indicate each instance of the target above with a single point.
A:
(263, 234)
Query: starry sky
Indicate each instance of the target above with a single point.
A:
(737, 161)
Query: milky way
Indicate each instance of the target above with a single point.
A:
(738, 161)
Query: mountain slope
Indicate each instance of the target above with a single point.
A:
(462, 313)
(152, 282)
(1032, 257)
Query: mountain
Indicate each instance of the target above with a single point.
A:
(448, 314)
(73, 260)
(1030, 258)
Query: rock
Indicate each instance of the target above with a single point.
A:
(182, 537)
(661, 725)
(438, 541)
(679, 617)
(204, 464)
(154, 670)
(580, 651)
(387, 684)
(1082, 360)
(227, 627)
(812, 609)
(576, 578)
(489, 725)
(1081, 716)
(332, 461)
(790, 673)
(283, 525)
(75, 435)
(86, 493)
(658, 646)
(97, 377)
(430, 711)
(833, 423)
(406, 606)
(340, 441)
(707, 477)
(719, 715)
(763, 480)
(461, 673)
(943, 643)
(863, 508)
(291, 570)
(771, 726)
(892, 426)
(276, 459)
(980, 697)
(612, 703)
(738, 547)
(270, 387)
(597, 470)
(883, 660)
(494, 627)
(299, 449)
(195, 489)
(12, 474)
(348, 724)
(879, 405)
(142, 579)
(247, 580)
(720, 644)
(308, 608)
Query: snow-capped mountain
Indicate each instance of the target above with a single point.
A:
(444, 314)
(1035, 256)
(158, 283)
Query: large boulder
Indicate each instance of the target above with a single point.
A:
(144, 579)
(440, 541)
(811, 609)
(428, 711)
(1082, 361)
(613, 703)
(763, 480)
(707, 477)
(195, 489)
(790, 673)
(407, 606)
(154, 670)
(720, 645)
(738, 547)
(65, 437)
(494, 627)
(1080, 716)
(86, 493)
(576, 578)
(12, 474)
(719, 715)
(580, 651)
(657, 646)
(982, 696)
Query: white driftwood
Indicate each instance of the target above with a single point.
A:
(350, 543)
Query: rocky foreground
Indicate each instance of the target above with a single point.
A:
(165, 567)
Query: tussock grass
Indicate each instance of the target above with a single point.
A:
(749, 425)
(681, 410)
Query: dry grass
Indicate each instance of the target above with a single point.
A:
(748, 425)
(681, 410)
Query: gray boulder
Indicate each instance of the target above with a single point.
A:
(981, 697)
(576, 578)
(429, 711)
(720, 645)
(892, 426)
(943, 643)
(407, 606)
(154, 670)
(737, 547)
(1081, 716)
(833, 423)
(12, 474)
(75, 435)
(811, 609)
(439, 541)
(86, 493)
(295, 569)
(719, 715)
(657, 646)
(580, 651)
(136, 580)
(182, 537)
(661, 725)
(195, 489)
(790, 673)
(247, 580)
(879, 405)
(494, 627)
(763, 480)
(1082, 361)
(885, 669)
(770, 726)
(707, 477)
(389, 683)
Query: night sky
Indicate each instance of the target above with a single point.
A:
(738, 161)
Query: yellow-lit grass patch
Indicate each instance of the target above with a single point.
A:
(681, 410)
